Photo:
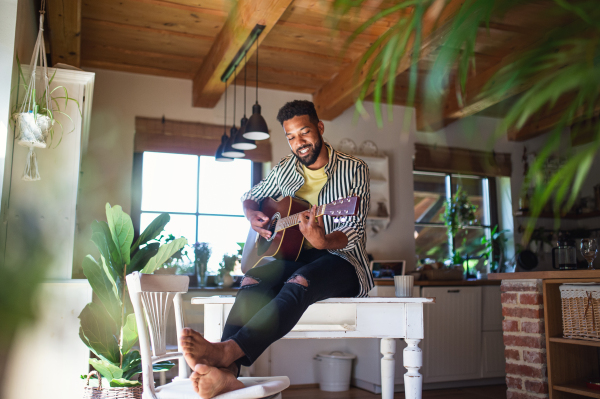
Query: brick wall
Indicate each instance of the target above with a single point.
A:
(524, 339)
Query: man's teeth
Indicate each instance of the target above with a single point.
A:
(304, 150)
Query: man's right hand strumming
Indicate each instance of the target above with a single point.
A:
(257, 219)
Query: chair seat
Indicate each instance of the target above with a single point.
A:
(256, 387)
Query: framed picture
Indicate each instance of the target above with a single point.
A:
(387, 268)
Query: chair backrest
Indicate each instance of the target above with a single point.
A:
(151, 296)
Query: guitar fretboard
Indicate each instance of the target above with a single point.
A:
(293, 220)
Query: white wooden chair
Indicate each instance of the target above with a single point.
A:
(151, 296)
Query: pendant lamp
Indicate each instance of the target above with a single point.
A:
(242, 143)
(219, 155)
(256, 128)
(229, 151)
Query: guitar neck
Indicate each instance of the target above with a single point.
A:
(294, 220)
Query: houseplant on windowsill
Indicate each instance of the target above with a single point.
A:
(107, 325)
(225, 268)
(179, 262)
(202, 252)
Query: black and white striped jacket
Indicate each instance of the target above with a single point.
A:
(346, 176)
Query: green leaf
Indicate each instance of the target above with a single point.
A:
(142, 257)
(153, 229)
(102, 237)
(130, 362)
(100, 332)
(130, 334)
(121, 230)
(163, 366)
(164, 253)
(103, 287)
(107, 369)
(122, 382)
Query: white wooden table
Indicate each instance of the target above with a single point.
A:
(385, 318)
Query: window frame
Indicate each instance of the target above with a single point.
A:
(490, 212)
(136, 192)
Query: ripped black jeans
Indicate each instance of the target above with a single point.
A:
(267, 310)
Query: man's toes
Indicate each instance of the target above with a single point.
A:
(202, 369)
(186, 331)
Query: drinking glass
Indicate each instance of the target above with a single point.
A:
(589, 250)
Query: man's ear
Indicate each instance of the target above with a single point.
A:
(321, 127)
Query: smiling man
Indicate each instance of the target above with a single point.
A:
(332, 263)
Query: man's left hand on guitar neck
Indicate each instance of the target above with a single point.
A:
(313, 230)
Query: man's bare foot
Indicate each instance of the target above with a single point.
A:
(196, 349)
(209, 382)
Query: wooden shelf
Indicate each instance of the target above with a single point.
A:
(570, 341)
(549, 215)
(579, 389)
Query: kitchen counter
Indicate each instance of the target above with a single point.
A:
(543, 275)
(470, 282)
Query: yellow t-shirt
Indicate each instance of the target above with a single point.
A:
(314, 180)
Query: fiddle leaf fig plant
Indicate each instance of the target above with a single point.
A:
(107, 326)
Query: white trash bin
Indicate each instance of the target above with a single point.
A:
(334, 369)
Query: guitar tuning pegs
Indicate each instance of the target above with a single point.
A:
(343, 220)
(336, 220)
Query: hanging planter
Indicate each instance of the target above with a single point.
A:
(34, 118)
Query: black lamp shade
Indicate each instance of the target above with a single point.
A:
(229, 151)
(256, 128)
(219, 155)
(240, 142)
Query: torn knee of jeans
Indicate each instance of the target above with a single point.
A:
(297, 279)
(249, 281)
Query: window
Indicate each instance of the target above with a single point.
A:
(431, 191)
(202, 197)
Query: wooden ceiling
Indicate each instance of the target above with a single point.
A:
(300, 50)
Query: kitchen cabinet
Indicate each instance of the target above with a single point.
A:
(452, 350)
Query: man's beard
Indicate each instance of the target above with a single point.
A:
(312, 155)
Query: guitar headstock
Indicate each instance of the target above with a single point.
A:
(342, 208)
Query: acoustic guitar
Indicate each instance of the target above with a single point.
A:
(286, 239)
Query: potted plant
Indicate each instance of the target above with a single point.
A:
(107, 325)
(225, 268)
(179, 263)
(494, 248)
(202, 252)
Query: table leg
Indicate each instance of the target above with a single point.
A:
(388, 364)
(413, 360)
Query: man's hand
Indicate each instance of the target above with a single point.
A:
(258, 222)
(312, 228)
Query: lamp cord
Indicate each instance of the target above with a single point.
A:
(245, 76)
(234, 96)
(257, 71)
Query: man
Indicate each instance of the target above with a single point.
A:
(333, 261)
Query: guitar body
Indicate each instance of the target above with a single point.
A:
(285, 244)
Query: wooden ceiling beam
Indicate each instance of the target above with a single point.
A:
(64, 22)
(542, 122)
(207, 85)
(340, 93)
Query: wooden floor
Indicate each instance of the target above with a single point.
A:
(485, 392)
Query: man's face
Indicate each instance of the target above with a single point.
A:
(304, 138)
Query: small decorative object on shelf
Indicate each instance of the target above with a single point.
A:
(348, 146)
(589, 250)
(382, 209)
(225, 268)
(369, 148)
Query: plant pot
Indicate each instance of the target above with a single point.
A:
(227, 280)
(166, 270)
(109, 393)
(32, 131)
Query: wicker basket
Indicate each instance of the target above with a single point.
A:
(581, 311)
(109, 393)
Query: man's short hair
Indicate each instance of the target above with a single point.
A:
(298, 108)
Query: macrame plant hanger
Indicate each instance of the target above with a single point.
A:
(34, 120)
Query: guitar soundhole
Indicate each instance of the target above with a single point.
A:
(273, 224)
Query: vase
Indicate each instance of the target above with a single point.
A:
(227, 280)
(201, 274)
